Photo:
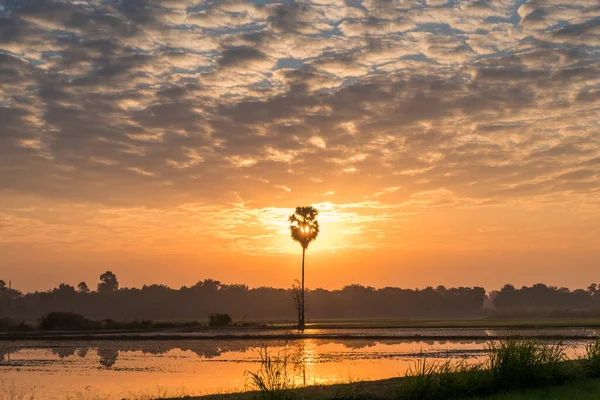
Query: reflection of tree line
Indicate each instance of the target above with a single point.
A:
(108, 355)
(108, 352)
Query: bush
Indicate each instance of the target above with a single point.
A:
(219, 320)
(23, 326)
(6, 324)
(65, 321)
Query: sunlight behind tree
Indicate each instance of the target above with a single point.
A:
(304, 228)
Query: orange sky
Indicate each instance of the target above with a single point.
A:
(444, 142)
(373, 244)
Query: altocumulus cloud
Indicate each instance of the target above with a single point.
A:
(153, 106)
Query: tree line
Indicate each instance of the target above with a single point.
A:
(160, 302)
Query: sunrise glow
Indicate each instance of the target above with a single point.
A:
(453, 138)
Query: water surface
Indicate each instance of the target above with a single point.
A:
(119, 369)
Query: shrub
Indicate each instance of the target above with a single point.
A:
(23, 326)
(6, 324)
(65, 321)
(219, 320)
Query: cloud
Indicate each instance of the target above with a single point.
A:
(148, 105)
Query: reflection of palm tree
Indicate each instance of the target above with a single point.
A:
(304, 228)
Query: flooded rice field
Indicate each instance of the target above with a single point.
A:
(117, 369)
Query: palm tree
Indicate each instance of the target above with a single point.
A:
(304, 228)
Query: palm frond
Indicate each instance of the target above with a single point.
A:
(304, 227)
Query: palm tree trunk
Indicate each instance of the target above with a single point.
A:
(302, 316)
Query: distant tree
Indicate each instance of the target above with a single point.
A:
(219, 320)
(64, 290)
(507, 297)
(210, 285)
(82, 287)
(304, 228)
(4, 291)
(108, 283)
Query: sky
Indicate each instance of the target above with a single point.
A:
(448, 142)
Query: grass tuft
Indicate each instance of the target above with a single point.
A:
(274, 379)
(511, 364)
(520, 363)
(441, 379)
(591, 360)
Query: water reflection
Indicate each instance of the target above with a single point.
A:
(307, 350)
(82, 351)
(116, 369)
(108, 356)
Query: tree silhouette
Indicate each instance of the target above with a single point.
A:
(304, 228)
(109, 283)
(82, 287)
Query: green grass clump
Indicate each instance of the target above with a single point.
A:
(520, 363)
(590, 362)
(512, 364)
(274, 379)
(441, 380)
(581, 389)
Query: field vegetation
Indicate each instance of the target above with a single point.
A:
(511, 369)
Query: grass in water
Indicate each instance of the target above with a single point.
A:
(441, 379)
(520, 363)
(591, 360)
(511, 364)
(513, 369)
(274, 380)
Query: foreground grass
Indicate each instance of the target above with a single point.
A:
(512, 365)
(582, 389)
